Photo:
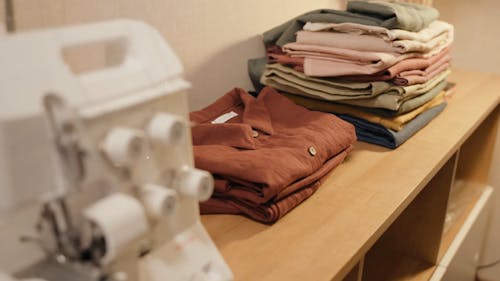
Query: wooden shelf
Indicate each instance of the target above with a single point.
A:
(461, 203)
(376, 192)
(388, 265)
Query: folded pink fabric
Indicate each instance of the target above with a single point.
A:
(406, 68)
(321, 61)
(285, 60)
(420, 76)
(328, 61)
(347, 41)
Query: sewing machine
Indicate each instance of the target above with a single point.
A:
(96, 168)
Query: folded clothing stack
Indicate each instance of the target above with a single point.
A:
(380, 65)
(267, 154)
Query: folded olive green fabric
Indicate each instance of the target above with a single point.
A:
(365, 94)
(395, 123)
(277, 75)
(393, 101)
(390, 15)
(410, 104)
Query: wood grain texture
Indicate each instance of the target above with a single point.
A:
(327, 235)
(418, 230)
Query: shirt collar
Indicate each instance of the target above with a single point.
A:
(255, 112)
(255, 116)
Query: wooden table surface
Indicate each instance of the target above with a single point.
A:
(327, 234)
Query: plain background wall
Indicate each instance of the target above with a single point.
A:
(214, 38)
(2, 17)
(477, 45)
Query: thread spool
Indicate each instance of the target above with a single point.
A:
(121, 219)
(123, 145)
(195, 183)
(166, 128)
(159, 201)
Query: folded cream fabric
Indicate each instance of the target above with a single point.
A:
(363, 42)
(351, 41)
(434, 29)
(389, 15)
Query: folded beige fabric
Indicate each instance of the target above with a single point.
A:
(434, 29)
(363, 42)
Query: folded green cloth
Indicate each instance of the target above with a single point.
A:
(286, 79)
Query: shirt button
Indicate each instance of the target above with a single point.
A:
(255, 133)
(312, 150)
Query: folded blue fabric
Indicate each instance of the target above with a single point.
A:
(378, 134)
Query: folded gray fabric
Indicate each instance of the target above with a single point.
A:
(285, 33)
(377, 134)
(399, 15)
(391, 15)
(255, 69)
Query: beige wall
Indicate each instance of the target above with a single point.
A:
(214, 38)
(477, 41)
(2, 17)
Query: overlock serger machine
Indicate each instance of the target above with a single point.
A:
(96, 168)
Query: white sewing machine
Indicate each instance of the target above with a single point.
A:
(96, 168)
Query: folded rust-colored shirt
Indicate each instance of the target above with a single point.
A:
(266, 153)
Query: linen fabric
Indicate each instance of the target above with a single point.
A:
(377, 134)
(395, 123)
(287, 79)
(434, 29)
(405, 68)
(379, 95)
(395, 101)
(262, 156)
(393, 15)
(362, 42)
(410, 104)
(327, 61)
(400, 15)
(271, 211)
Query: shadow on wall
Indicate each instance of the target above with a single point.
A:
(218, 74)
